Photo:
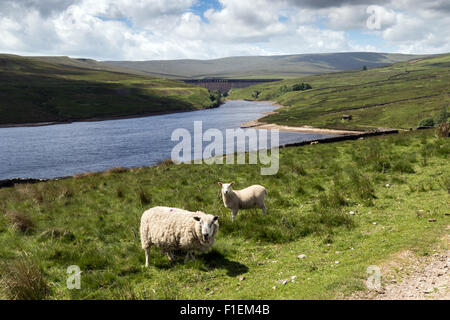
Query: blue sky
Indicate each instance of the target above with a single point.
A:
(201, 6)
(208, 29)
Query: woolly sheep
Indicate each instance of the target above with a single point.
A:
(251, 197)
(172, 229)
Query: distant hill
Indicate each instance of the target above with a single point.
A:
(396, 96)
(286, 66)
(59, 89)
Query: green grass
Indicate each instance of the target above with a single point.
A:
(93, 221)
(35, 90)
(397, 96)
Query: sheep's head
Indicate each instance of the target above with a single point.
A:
(226, 187)
(208, 225)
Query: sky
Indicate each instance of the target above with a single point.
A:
(210, 29)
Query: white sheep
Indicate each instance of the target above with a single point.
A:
(251, 197)
(172, 229)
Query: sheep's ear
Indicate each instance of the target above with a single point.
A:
(196, 218)
(219, 183)
(215, 218)
(231, 183)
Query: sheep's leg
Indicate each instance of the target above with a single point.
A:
(264, 209)
(170, 256)
(189, 254)
(234, 215)
(146, 256)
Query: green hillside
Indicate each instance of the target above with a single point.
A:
(397, 96)
(35, 90)
(286, 66)
(85, 64)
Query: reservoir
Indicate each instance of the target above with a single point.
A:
(67, 149)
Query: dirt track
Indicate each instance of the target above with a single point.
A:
(409, 277)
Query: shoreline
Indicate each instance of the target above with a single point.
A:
(257, 124)
(97, 119)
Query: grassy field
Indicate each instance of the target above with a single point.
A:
(393, 184)
(397, 96)
(35, 90)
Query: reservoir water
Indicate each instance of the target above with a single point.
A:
(68, 149)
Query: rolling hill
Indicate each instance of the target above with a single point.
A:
(286, 66)
(396, 96)
(59, 89)
(86, 63)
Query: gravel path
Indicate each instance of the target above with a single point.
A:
(408, 277)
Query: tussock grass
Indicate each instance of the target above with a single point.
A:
(21, 221)
(86, 174)
(165, 163)
(444, 182)
(144, 197)
(443, 130)
(22, 279)
(115, 170)
(403, 166)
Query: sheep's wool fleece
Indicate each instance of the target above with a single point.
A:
(175, 229)
(246, 198)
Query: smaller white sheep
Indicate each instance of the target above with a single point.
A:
(251, 197)
(172, 229)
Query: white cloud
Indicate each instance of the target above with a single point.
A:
(244, 20)
(412, 34)
(9, 28)
(347, 17)
(317, 40)
(405, 29)
(169, 29)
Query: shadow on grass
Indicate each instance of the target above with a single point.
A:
(216, 260)
(206, 262)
